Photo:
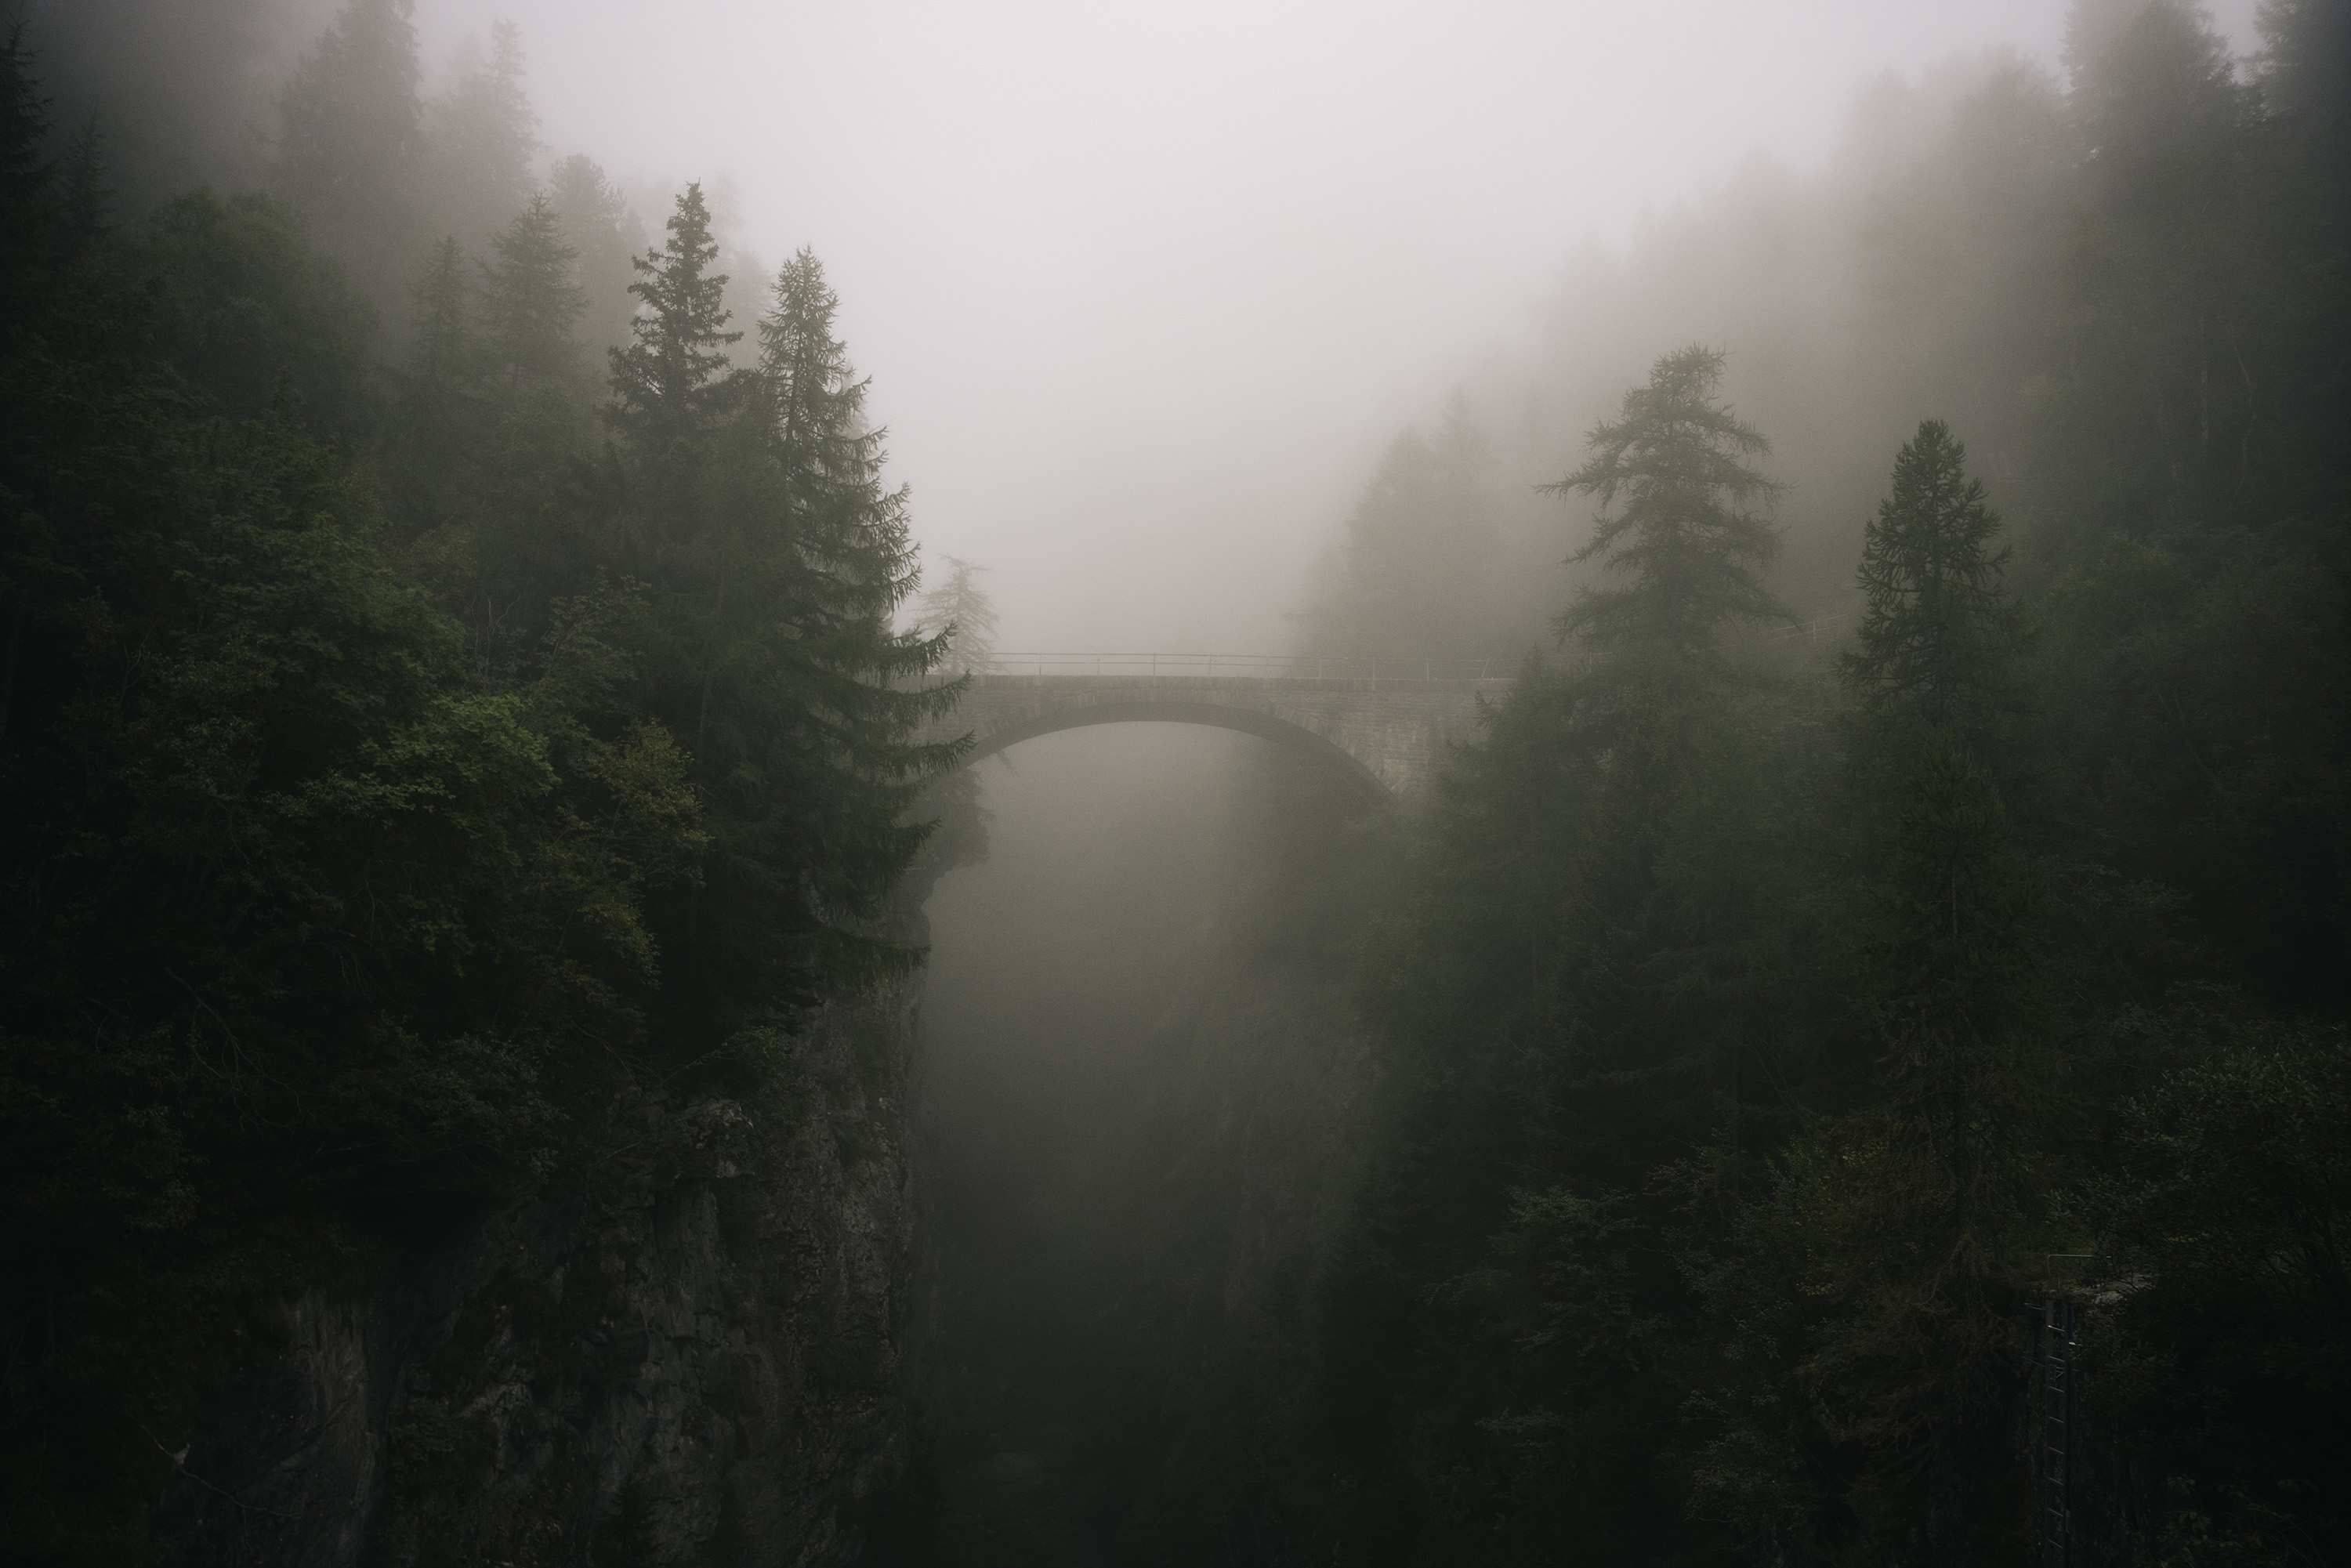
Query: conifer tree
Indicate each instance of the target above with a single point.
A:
(1694, 551)
(349, 138)
(778, 563)
(1413, 579)
(484, 135)
(598, 225)
(670, 384)
(1673, 838)
(438, 412)
(854, 675)
(958, 608)
(531, 303)
(1915, 1199)
(1933, 651)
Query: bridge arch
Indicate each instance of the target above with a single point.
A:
(1385, 735)
(1247, 721)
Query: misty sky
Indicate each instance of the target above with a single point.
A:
(1144, 288)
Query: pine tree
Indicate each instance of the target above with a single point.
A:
(598, 225)
(854, 674)
(531, 303)
(1413, 577)
(1915, 1199)
(348, 141)
(1694, 552)
(781, 560)
(670, 385)
(438, 414)
(484, 135)
(1656, 974)
(958, 610)
(1936, 636)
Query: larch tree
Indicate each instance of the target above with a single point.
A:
(959, 609)
(1693, 539)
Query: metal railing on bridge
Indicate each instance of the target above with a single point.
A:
(1334, 666)
(1261, 666)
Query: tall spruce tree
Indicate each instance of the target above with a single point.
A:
(775, 560)
(531, 303)
(598, 225)
(1916, 1201)
(1935, 650)
(670, 384)
(1650, 968)
(350, 143)
(439, 405)
(853, 679)
(483, 135)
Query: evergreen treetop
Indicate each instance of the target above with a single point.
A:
(1935, 630)
(1689, 535)
(350, 132)
(532, 303)
(671, 383)
(485, 134)
(958, 610)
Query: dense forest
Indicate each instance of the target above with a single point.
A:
(463, 676)
(426, 746)
(1803, 979)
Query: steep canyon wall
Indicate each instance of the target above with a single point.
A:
(705, 1346)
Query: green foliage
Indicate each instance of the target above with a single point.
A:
(1749, 1041)
(1932, 652)
(1695, 555)
(349, 128)
(2216, 1317)
(391, 786)
(670, 385)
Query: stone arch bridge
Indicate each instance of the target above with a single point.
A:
(1383, 724)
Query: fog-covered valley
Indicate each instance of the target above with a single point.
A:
(1038, 785)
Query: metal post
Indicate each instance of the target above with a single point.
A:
(2057, 1346)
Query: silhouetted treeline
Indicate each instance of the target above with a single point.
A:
(1757, 1023)
(408, 768)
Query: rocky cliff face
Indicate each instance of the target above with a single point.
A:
(706, 1346)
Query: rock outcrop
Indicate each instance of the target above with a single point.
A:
(706, 1346)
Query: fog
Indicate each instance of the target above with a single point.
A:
(1236, 1163)
(1144, 290)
